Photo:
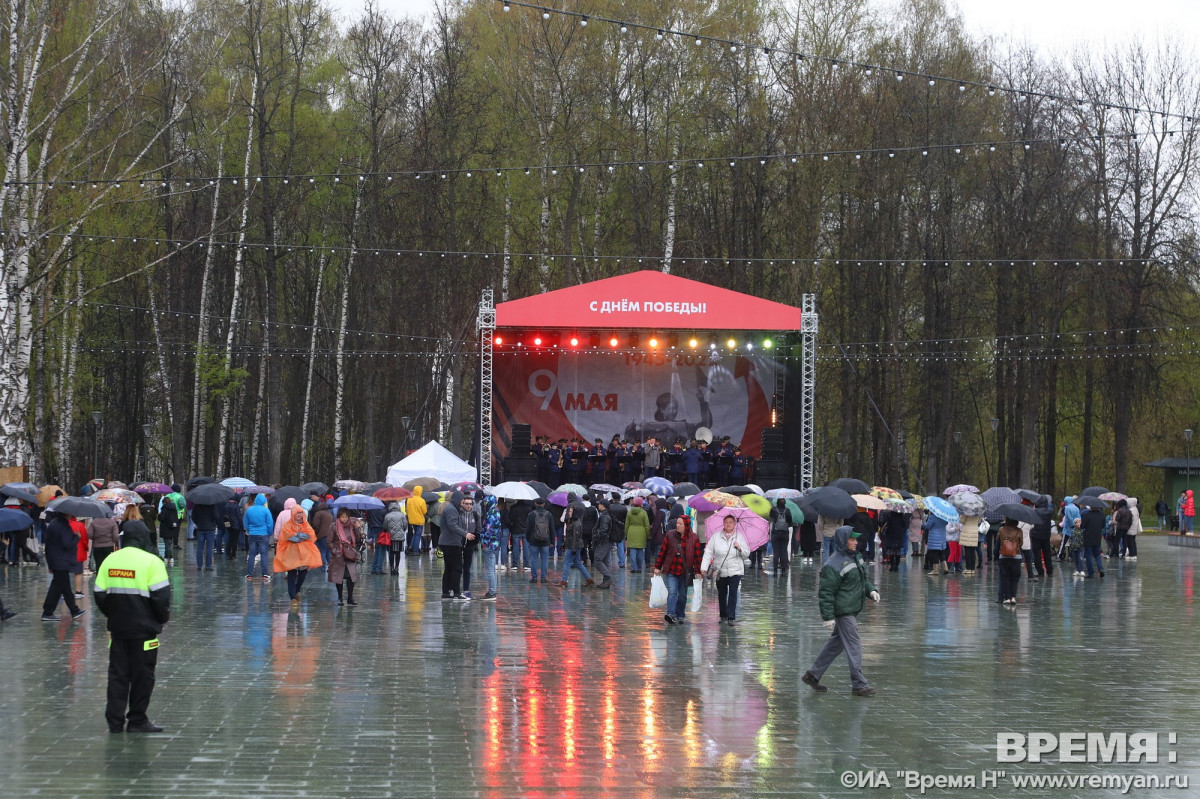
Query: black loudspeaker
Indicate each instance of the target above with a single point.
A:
(520, 467)
(772, 444)
(773, 473)
(521, 437)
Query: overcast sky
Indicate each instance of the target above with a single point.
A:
(1051, 24)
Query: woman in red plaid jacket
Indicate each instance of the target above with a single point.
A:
(679, 561)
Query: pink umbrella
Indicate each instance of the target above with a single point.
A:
(753, 527)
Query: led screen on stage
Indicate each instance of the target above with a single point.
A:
(634, 395)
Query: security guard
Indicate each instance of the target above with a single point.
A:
(133, 591)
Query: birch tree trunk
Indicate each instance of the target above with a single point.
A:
(339, 459)
(197, 460)
(66, 425)
(312, 364)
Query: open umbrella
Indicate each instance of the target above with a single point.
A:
(315, 487)
(631, 485)
(1112, 496)
(20, 493)
(633, 493)
(868, 502)
(210, 494)
(426, 483)
(794, 511)
(712, 500)
(560, 498)
(832, 503)
(467, 487)
(760, 505)
(199, 481)
(737, 491)
(49, 492)
(282, 495)
(513, 490)
(84, 507)
(1019, 513)
(392, 494)
(268, 490)
(886, 494)
(237, 482)
(349, 485)
(959, 489)
(117, 495)
(968, 504)
(686, 489)
(850, 485)
(999, 495)
(358, 502)
(752, 526)
(115, 484)
(941, 509)
(152, 488)
(574, 489)
(1093, 491)
(542, 489)
(1025, 493)
(30, 487)
(604, 488)
(1085, 501)
(660, 486)
(783, 493)
(371, 488)
(13, 520)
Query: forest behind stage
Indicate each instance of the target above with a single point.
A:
(263, 231)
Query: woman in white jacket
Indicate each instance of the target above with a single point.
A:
(726, 551)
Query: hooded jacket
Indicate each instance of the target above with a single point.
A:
(132, 589)
(637, 528)
(1093, 528)
(844, 583)
(1135, 526)
(257, 518)
(1041, 530)
(415, 507)
(296, 554)
(104, 532)
(1189, 504)
(288, 504)
(1070, 515)
(1122, 518)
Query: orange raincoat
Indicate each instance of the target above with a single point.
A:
(292, 555)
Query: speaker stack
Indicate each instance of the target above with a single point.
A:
(773, 473)
(772, 444)
(522, 438)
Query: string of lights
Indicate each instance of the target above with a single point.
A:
(367, 251)
(154, 184)
(868, 69)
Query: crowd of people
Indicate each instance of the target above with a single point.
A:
(623, 460)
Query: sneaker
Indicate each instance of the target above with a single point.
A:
(266, 578)
(467, 595)
(1133, 557)
(731, 622)
(462, 598)
(249, 579)
(50, 617)
(812, 682)
(79, 595)
(8, 614)
(527, 569)
(669, 619)
(78, 613)
(1102, 574)
(447, 596)
(868, 691)
(490, 596)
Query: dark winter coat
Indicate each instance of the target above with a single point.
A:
(60, 544)
(844, 582)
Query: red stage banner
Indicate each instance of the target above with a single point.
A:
(650, 301)
(634, 395)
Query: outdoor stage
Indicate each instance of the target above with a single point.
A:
(650, 354)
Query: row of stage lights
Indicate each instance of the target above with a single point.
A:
(539, 340)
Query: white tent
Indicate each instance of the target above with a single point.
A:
(431, 460)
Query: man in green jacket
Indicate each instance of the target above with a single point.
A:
(843, 594)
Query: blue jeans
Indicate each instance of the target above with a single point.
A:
(416, 534)
(520, 552)
(677, 590)
(204, 548)
(259, 546)
(490, 556)
(826, 549)
(571, 558)
(539, 557)
(637, 559)
(1187, 523)
(1089, 554)
(502, 553)
(322, 547)
(379, 559)
(219, 541)
(620, 554)
(1162, 522)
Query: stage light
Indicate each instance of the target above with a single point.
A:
(498, 341)
(574, 341)
(653, 343)
(537, 341)
(613, 342)
(731, 343)
(768, 344)
(749, 345)
(693, 343)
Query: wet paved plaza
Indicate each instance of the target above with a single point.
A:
(564, 692)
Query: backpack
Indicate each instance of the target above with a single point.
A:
(780, 525)
(616, 531)
(540, 535)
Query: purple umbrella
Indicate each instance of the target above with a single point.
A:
(961, 488)
(152, 488)
(560, 498)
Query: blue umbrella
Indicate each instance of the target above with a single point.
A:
(237, 482)
(13, 520)
(19, 493)
(661, 486)
(941, 509)
(358, 502)
(30, 487)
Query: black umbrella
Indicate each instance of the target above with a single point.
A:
(371, 488)
(1086, 501)
(199, 481)
(1025, 493)
(850, 485)
(832, 503)
(1093, 491)
(542, 489)
(905, 494)
(210, 494)
(738, 491)
(315, 487)
(282, 495)
(686, 489)
(80, 506)
(1018, 513)
(17, 493)
(12, 520)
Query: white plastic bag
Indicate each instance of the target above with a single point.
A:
(697, 594)
(658, 592)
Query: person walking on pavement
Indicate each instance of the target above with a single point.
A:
(344, 541)
(259, 526)
(205, 519)
(416, 508)
(61, 546)
(133, 592)
(296, 552)
(602, 545)
(724, 554)
(539, 533)
(842, 596)
(679, 562)
(572, 545)
(171, 512)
